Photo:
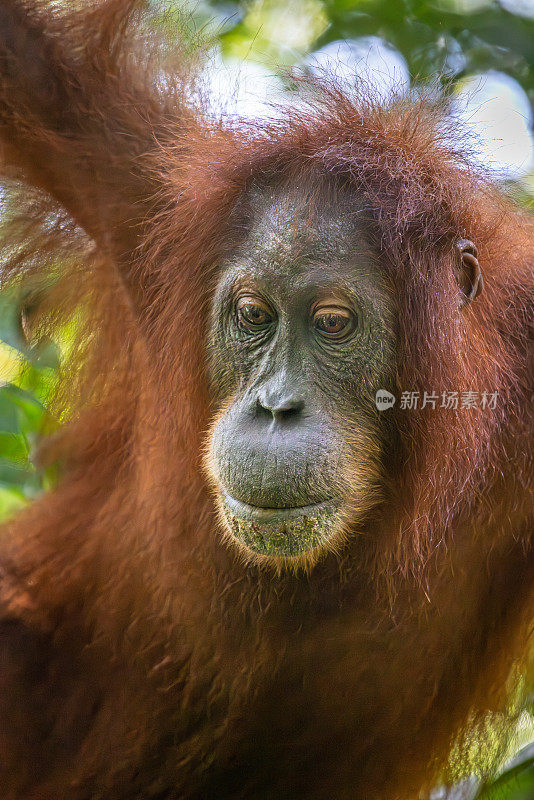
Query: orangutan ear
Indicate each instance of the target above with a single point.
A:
(468, 272)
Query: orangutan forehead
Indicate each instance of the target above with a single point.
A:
(322, 224)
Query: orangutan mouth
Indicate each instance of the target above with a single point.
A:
(281, 532)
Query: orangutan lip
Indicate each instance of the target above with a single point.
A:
(259, 514)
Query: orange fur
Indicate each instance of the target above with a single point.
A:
(140, 656)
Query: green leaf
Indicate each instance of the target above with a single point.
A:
(10, 328)
(515, 783)
(11, 500)
(20, 411)
(13, 447)
(13, 474)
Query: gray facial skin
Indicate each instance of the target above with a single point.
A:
(301, 340)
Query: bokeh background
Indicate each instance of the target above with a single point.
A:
(477, 54)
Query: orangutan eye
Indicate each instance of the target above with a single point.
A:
(253, 314)
(333, 322)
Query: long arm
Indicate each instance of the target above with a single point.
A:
(80, 112)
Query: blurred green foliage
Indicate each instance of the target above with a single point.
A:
(514, 783)
(28, 376)
(447, 39)
(451, 38)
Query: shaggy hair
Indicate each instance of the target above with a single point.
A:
(139, 656)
